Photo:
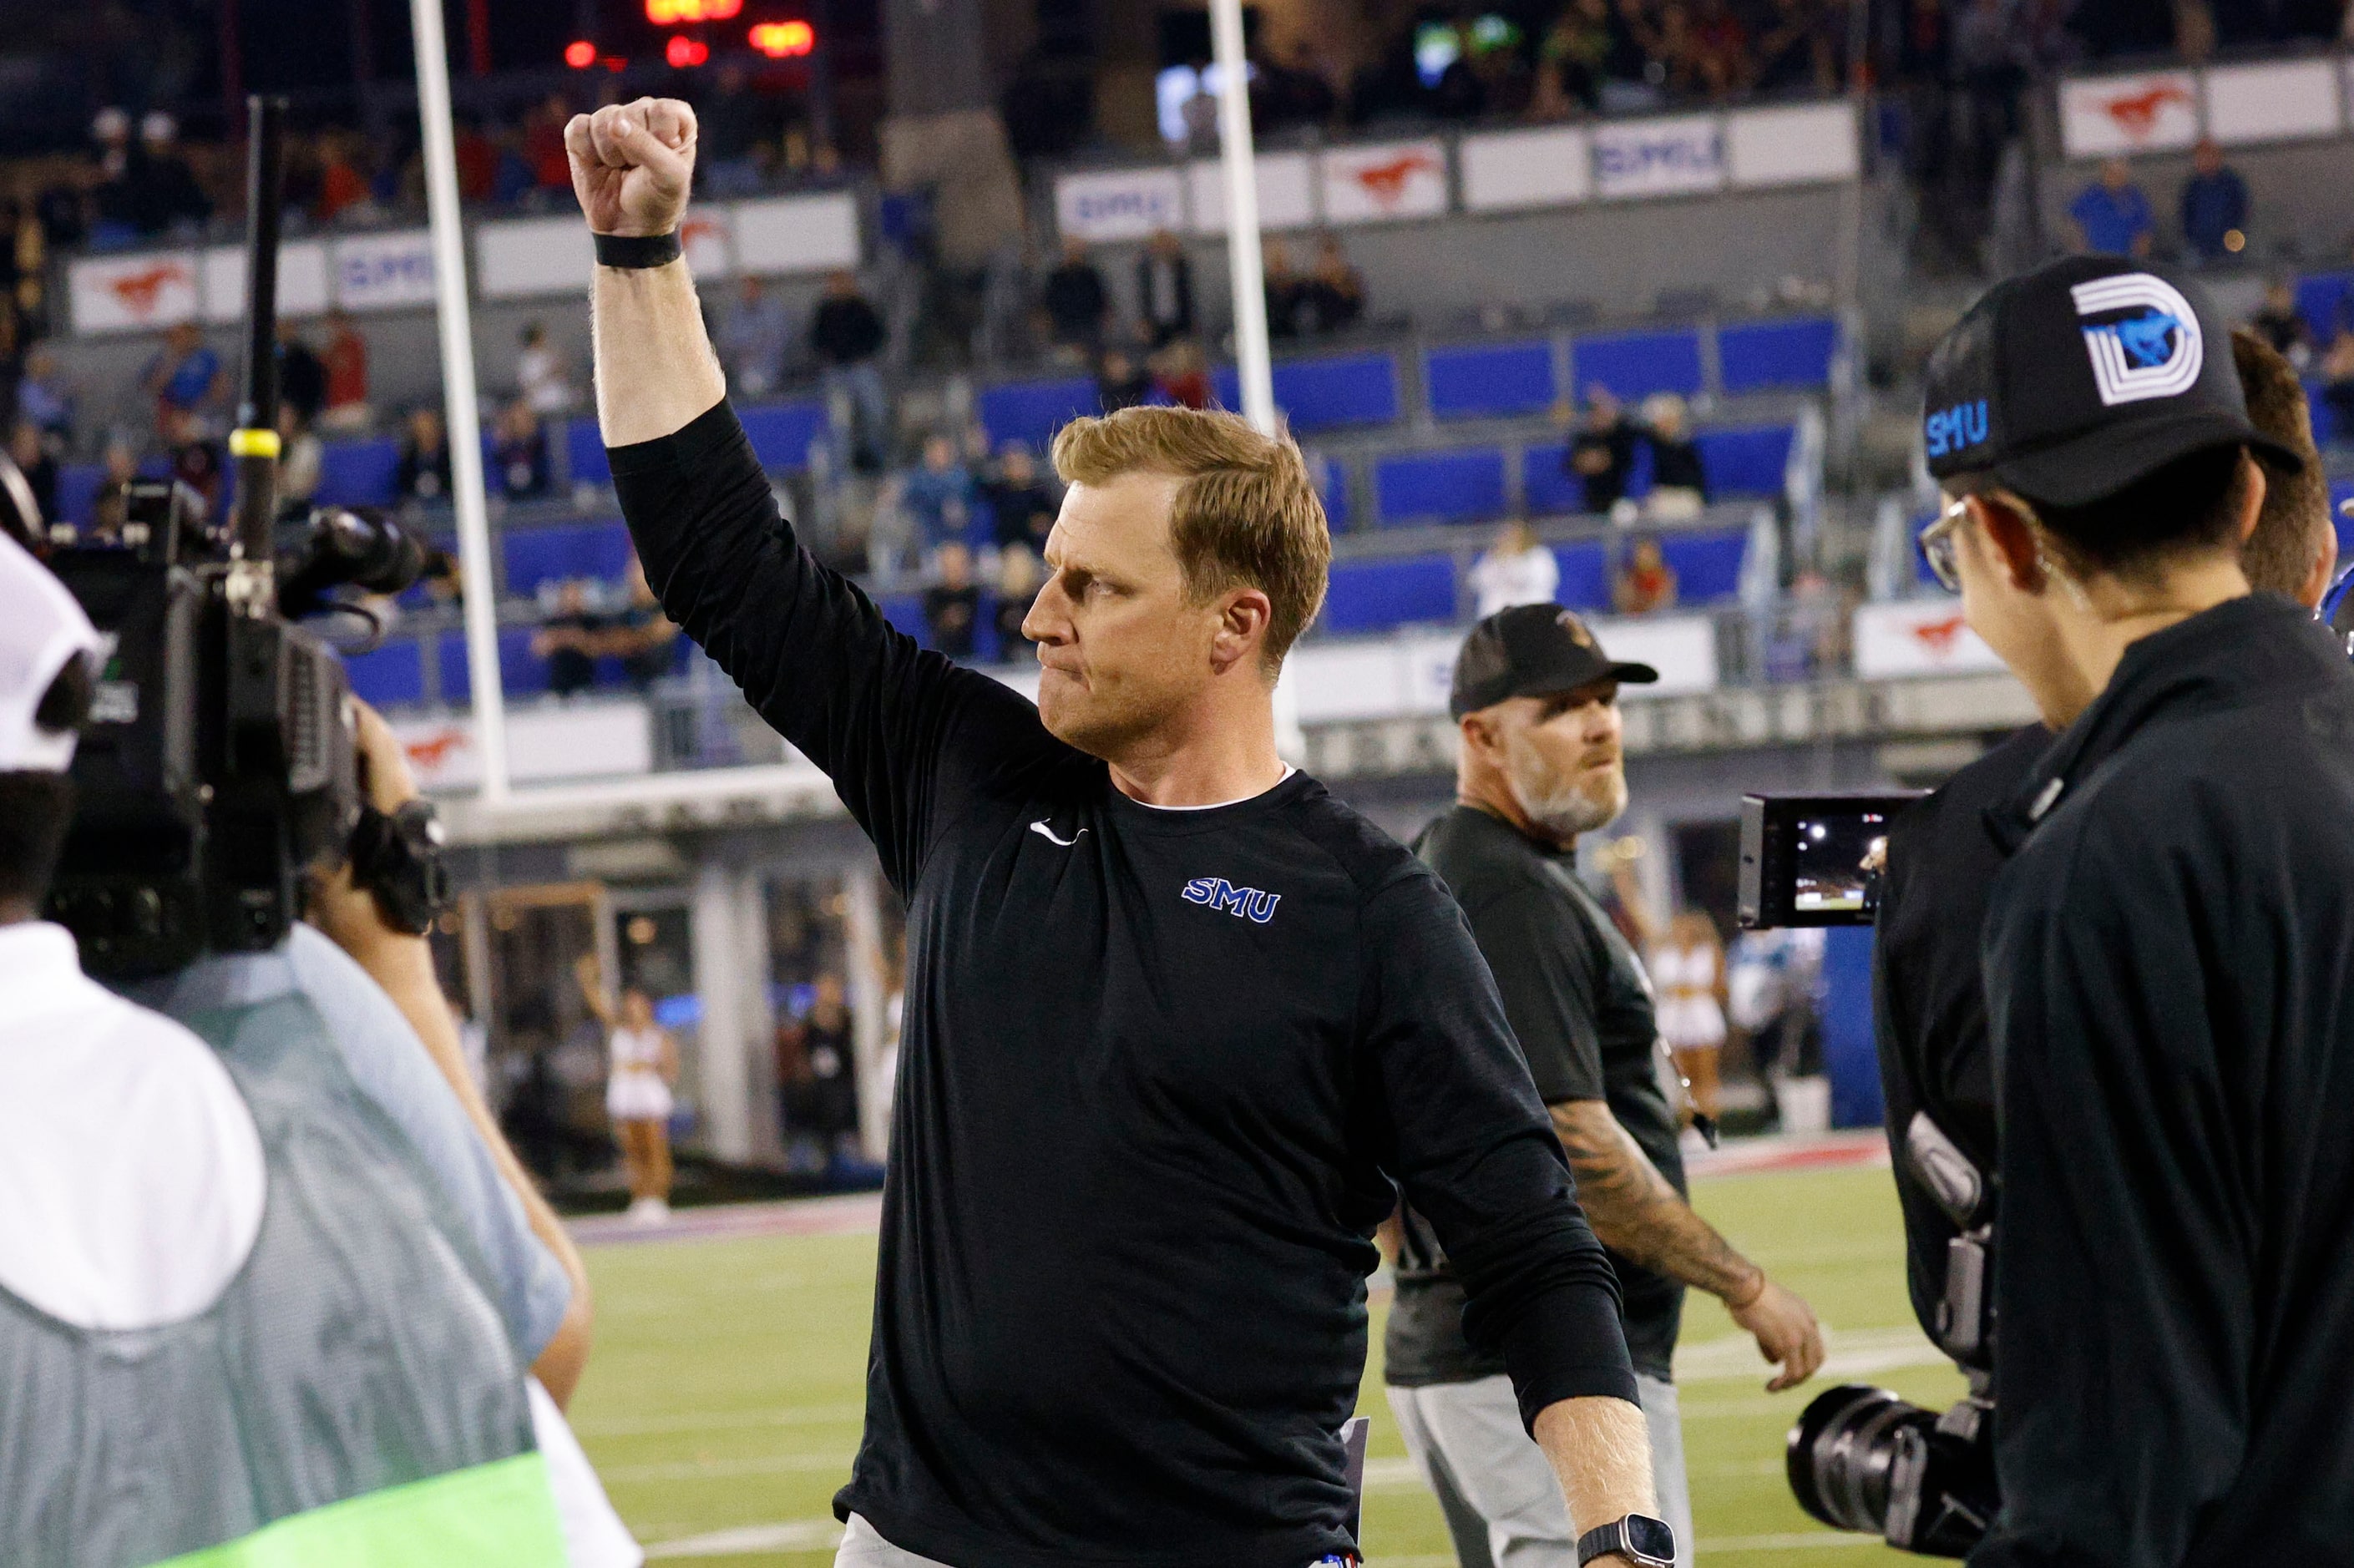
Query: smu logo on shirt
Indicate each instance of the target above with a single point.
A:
(1952, 429)
(1219, 894)
(2149, 349)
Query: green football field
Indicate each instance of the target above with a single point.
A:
(721, 1406)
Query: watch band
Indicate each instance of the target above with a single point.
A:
(638, 250)
(1616, 1536)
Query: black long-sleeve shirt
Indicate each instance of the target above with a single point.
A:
(2170, 968)
(1159, 1071)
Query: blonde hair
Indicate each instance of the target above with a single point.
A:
(1246, 513)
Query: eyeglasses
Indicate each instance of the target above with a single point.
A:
(1936, 543)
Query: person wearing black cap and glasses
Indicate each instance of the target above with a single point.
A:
(1538, 702)
(2163, 953)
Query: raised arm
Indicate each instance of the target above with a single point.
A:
(904, 733)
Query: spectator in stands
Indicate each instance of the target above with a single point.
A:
(513, 178)
(2112, 215)
(846, 334)
(1717, 48)
(521, 453)
(1076, 302)
(150, 188)
(542, 143)
(1644, 582)
(731, 125)
(952, 604)
(301, 374)
(938, 494)
(423, 474)
(1516, 570)
(1288, 309)
(541, 374)
(477, 158)
(1181, 375)
(1799, 48)
(2280, 323)
(1120, 381)
(30, 453)
(342, 182)
(347, 375)
(1678, 478)
(1017, 589)
(641, 636)
(195, 460)
(1334, 293)
(2336, 372)
(443, 579)
(569, 640)
(44, 396)
(184, 377)
(1601, 456)
(755, 338)
(119, 467)
(2215, 205)
(1164, 289)
(1572, 60)
(1024, 505)
(300, 456)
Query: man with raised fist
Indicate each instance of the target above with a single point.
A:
(1179, 1024)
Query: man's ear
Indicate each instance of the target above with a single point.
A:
(1242, 628)
(2251, 498)
(2009, 542)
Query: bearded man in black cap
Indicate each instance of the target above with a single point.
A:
(1538, 702)
(2165, 950)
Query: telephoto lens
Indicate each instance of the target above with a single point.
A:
(1862, 1458)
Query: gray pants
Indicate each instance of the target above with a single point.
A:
(861, 1547)
(1502, 1501)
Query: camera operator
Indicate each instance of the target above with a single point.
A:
(242, 1293)
(1929, 1002)
(2162, 950)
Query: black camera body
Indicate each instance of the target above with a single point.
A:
(1807, 859)
(220, 758)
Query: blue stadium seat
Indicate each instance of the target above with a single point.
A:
(781, 433)
(2325, 425)
(1777, 354)
(1373, 596)
(1031, 411)
(1324, 394)
(1745, 461)
(1441, 487)
(521, 672)
(77, 484)
(906, 611)
(1584, 574)
(2323, 299)
(1489, 379)
(583, 453)
(1547, 490)
(2341, 491)
(387, 677)
(359, 474)
(536, 556)
(1707, 566)
(1636, 365)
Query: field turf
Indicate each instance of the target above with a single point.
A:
(722, 1405)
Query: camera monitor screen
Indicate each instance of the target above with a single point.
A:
(1814, 860)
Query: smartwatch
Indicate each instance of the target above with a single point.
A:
(1644, 1541)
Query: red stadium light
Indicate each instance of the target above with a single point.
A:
(784, 41)
(579, 54)
(682, 51)
(669, 12)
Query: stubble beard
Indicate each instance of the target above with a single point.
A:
(1583, 802)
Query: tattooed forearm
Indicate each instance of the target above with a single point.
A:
(1639, 1215)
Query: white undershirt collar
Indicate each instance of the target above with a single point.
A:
(1288, 771)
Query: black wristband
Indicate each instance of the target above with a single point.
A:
(634, 251)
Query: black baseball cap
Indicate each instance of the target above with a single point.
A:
(2072, 382)
(1533, 650)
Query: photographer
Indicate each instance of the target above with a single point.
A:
(210, 1246)
(1929, 1002)
(2162, 948)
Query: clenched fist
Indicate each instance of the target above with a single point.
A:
(633, 163)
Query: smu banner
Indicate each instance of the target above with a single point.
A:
(384, 271)
(1677, 154)
(1527, 168)
(1400, 179)
(1119, 204)
(2152, 111)
(302, 284)
(135, 293)
(1916, 637)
